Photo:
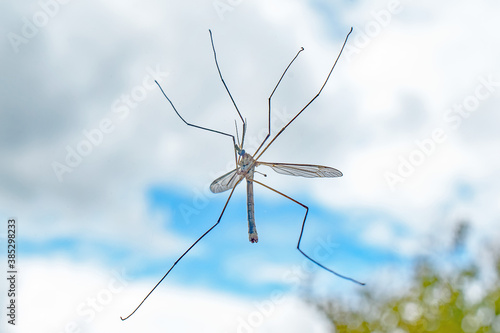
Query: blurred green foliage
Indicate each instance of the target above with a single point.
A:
(434, 301)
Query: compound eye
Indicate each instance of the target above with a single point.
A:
(241, 152)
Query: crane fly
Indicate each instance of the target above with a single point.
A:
(246, 164)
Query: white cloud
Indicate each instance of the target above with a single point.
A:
(58, 296)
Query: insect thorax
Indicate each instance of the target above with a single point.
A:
(246, 163)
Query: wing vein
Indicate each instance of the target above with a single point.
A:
(225, 182)
(303, 170)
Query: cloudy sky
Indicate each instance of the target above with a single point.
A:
(109, 186)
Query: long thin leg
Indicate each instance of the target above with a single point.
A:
(196, 126)
(185, 252)
(222, 79)
(269, 101)
(319, 92)
(302, 231)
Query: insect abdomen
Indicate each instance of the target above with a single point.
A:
(252, 229)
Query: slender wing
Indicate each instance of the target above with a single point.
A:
(225, 182)
(303, 170)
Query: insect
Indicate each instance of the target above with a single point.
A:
(246, 164)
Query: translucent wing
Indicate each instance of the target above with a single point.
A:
(225, 182)
(303, 170)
